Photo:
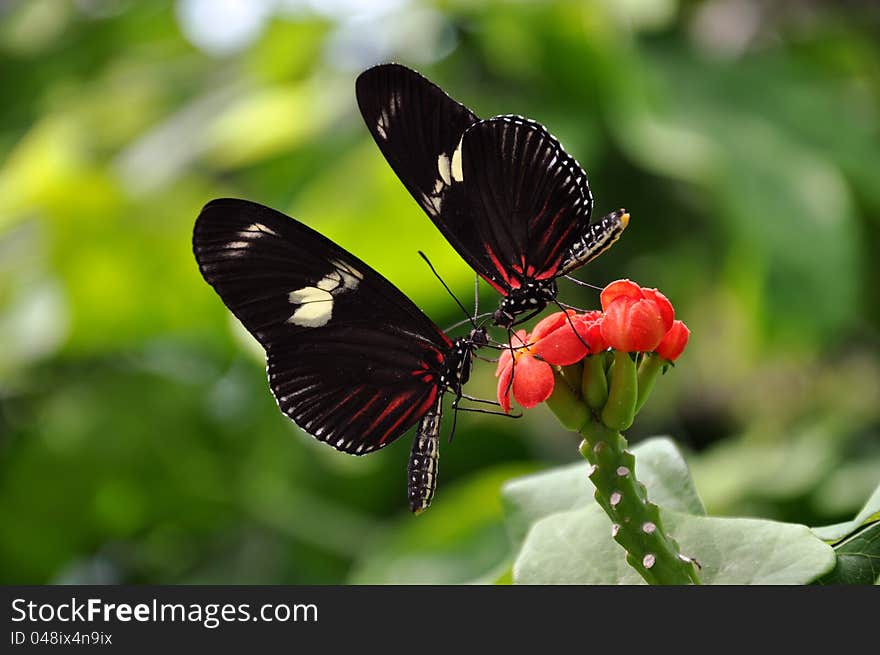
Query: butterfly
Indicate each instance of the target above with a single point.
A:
(502, 191)
(350, 359)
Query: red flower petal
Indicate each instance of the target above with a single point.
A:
(564, 345)
(595, 339)
(615, 324)
(519, 339)
(548, 324)
(674, 342)
(504, 361)
(633, 326)
(592, 321)
(663, 304)
(532, 382)
(504, 385)
(647, 325)
(626, 288)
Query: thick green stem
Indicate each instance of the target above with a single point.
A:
(567, 404)
(572, 375)
(650, 369)
(636, 523)
(594, 383)
(620, 410)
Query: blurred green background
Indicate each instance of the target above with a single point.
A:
(138, 439)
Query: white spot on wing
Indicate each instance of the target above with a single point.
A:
(432, 203)
(315, 307)
(259, 227)
(445, 169)
(457, 173)
(316, 303)
(382, 123)
(351, 277)
(330, 281)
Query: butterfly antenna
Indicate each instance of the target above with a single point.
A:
(476, 296)
(448, 290)
(581, 283)
(469, 319)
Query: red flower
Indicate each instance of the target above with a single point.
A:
(636, 319)
(594, 338)
(551, 343)
(674, 342)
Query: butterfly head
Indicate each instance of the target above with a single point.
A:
(478, 338)
(531, 298)
(460, 364)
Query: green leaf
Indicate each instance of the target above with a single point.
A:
(659, 466)
(858, 559)
(869, 512)
(502, 574)
(576, 548)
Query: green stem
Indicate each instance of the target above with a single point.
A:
(620, 409)
(572, 375)
(594, 383)
(566, 403)
(636, 521)
(649, 371)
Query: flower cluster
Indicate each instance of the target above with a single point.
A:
(633, 320)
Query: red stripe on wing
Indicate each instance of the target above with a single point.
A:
(512, 283)
(554, 256)
(363, 409)
(413, 409)
(394, 404)
(551, 270)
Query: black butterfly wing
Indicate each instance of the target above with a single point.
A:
(349, 357)
(416, 125)
(517, 204)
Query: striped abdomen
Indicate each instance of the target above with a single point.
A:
(422, 469)
(598, 238)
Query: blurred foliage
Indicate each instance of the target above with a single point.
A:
(138, 440)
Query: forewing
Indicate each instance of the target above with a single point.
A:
(518, 201)
(350, 358)
(416, 125)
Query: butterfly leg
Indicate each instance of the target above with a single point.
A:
(527, 317)
(573, 328)
(512, 362)
(480, 400)
(477, 410)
